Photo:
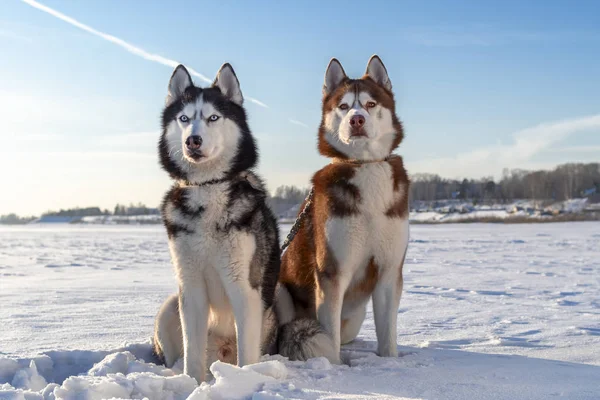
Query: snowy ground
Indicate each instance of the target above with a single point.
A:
(453, 211)
(489, 311)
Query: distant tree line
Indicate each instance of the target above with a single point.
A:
(137, 209)
(286, 197)
(14, 219)
(77, 212)
(564, 182)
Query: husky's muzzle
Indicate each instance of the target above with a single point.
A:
(357, 126)
(192, 147)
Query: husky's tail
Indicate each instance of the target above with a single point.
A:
(301, 338)
(304, 338)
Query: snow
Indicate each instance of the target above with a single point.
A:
(123, 219)
(489, 311)
(239, 383)
(478, 214)
(454, 211)
(574, 205)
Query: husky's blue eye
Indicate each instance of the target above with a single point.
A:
(213, 118)
(184, 118)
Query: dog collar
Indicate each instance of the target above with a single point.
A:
(358, 162)
(206, 183)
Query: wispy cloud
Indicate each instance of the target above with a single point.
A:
(526, 144)
(575, 149)
(125, 45)
(15, 36)
(296, 122)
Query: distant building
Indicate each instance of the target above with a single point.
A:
(48, 219)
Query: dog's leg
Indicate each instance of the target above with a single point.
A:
(194, 309)
(386, 300)
(351, 324)
(240, 274)
(248, 311)
(329, 300)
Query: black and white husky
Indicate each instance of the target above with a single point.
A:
(223, 238)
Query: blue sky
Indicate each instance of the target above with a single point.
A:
(480, 86)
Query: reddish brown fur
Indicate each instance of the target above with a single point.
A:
(365, 84)
(300, 267)
(400, 180)
(338, 196)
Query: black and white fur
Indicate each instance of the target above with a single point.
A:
(223, 237)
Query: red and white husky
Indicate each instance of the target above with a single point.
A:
(352, 245)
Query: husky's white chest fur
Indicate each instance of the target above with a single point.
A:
(207, 253)
(370, 232)
(203, 214)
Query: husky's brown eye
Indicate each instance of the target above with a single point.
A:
(343, 106)
(371, 104)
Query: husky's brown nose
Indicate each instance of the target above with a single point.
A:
(357, 121)
(193, 142)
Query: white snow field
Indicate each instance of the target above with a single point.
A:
(489, 311)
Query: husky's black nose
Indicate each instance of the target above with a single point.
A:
(193, 142)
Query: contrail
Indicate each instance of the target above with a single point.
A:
(127, 46)
(258, 102)
(296, 122)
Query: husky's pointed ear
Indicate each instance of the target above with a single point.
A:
(228, 83)
(376, 71)
(334, 75)
(180, 80)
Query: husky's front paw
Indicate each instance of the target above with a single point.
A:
(387, 351)
(195, 371)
